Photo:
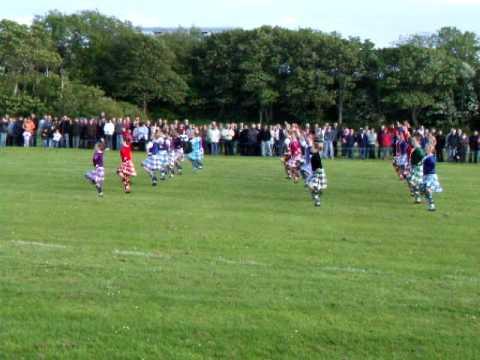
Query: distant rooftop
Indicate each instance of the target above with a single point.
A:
(206, 31)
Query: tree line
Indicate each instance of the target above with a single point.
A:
(85, 63)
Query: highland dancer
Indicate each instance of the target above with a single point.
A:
(430, 184)
(152, 163)
(97, 175)
(415, 176)
(295, 153)
(286, 157)
(126, 169)
(164, 156)
(317, 182)
(177, 153)
(306, 168)
(196, 155)
(400, 161)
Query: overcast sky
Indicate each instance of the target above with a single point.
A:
(382, 21)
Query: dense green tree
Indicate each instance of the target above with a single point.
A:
(25, 53)
(416, 78)
(141, 70)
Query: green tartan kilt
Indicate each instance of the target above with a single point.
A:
(416, 176)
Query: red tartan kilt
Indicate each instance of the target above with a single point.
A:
(127, 168)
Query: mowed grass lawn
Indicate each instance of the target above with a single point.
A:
(234, 262)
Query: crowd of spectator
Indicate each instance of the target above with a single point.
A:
(230, 138)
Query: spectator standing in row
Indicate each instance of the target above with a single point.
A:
(385, 143)
(452, 144)
(118, 130)
(462, 147)
(29, 132)
(362, 142)
(3, 131)
(371, 143)
(91, 134)
(75, 132)
(65, 129)
(329, 137)
(253, 140)
(213, 136)
(278, 140)
(227, 135)
(57, 138)
(265, 136)
(474, 143)
(109, 130)
(440, 145)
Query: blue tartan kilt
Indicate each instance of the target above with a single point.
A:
(171, 158)
(195, 156)
(431, 184)
(317, 181)
(152, 163)
(400, 160)
(164, 159)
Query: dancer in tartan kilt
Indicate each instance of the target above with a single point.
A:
(415, 176)
(177, 151)
(286, 157)
(317, 182)
(400, 161)
(196, 155)
(126, 169)
(306, 168)
(152, 163)
(97, 175)
(164, 155)
(295, 151)
(430, 184)
(171, 156)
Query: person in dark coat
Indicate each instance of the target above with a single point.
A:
(473, 140)
(75, 132)
(91, 134)
(243, 141)
(440, 146)
(252, 140)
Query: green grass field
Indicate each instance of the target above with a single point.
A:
(234, 262)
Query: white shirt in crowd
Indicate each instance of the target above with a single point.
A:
(227, 134)
(57, 136)
(214, 135)
(109, 128)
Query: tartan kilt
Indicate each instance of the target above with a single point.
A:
(318, 181)
(196, 156)
(400, 160)
(97, 175)
(294, 161)
(415, 177)
(152, 163)
(171, 158)
(178, 155)
(164, 159)
(127, 168)
(401, 165)
(431, 183)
